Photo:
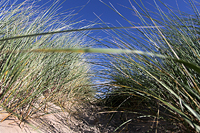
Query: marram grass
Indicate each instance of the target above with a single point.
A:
(165, 73)
(29, 80)
(169, 84)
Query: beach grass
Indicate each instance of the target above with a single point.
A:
(156, 67)
(30, 80)
(168, 86)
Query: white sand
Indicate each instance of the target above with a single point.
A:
(61, 122)
(35, 125)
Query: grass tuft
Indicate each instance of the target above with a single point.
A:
(171, 80)
(30, 80)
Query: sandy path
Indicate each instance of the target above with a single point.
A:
(84, 120)
(44, 124)
(60, 122)
(11, 124)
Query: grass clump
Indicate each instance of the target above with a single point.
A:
(169, 86)
(30, 80)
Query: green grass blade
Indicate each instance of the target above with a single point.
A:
(72, 30)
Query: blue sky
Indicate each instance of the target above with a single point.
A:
(106, 14)
(96, 7)
(100, 9)
(109, 16)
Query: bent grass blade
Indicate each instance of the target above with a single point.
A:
(75, 30)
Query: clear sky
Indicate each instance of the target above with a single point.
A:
(100, 9)
(96, 7)
(106, 14)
